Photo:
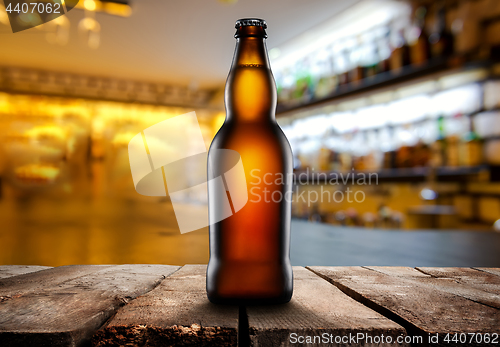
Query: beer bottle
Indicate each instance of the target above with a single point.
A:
(250, 250)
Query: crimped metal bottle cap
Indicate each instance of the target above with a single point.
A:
(245, 22)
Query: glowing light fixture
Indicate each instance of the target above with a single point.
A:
(274, 53)
(4, 19)
(428, 194)
(89, 5)
(362, 17)
(109, 7)
(90, 29)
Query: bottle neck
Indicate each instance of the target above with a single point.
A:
(250, 89)
(250, 51)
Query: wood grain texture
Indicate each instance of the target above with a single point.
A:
(468, 278)
(32, 282)
(399, 271)
(16, 270)
(316, 308)
(177, 312)
(465, 282)
(65, 306)
(420, 304)
(491, 270)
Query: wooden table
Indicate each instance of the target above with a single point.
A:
(162, 305)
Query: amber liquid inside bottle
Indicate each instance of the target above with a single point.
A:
(250, 250)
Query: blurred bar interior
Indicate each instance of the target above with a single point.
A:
(403, 97)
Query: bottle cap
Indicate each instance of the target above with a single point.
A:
(246, 22)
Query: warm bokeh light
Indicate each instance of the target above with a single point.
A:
(89, 5)
(69, 158)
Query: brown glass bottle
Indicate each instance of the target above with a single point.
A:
(250, 250)
(441, 40)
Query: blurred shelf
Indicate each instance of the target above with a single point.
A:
(461, 173)
(407, 73)
(28, 81)
(416, 174)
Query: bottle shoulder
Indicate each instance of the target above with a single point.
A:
(235, 128)
(247, 133)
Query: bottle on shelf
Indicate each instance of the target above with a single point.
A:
(419, 42)
(303, 81)
(356, 72)
(324, 158)
(405, 152)
(324, 79)
(438, 147)
(421, 154)
(452, 150)
(370, 56)
(471, 147)
(342, 62)
(400, 56)
(441, 39)
(346, 156)
(384, 50)
(359, 150)
(456, 126)
(333, 143)
(374, 157)
(286, 84)
(465, 29)
(388, 145)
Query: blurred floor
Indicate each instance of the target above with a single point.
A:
(322, 244)
(94, 220)
(98, 218)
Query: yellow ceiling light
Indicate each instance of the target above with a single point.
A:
(116, 9)
(89, 24)
(4, 19)
(89, 5)
(37, 173)
(122, 139)
(113, 8)
(90, 29)
(47, 132)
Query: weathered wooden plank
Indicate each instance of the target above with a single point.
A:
(467, 275)
(421, 308)
(70, 303)
(16, 270)
(398, 271)
(319, 313)
(471, 278)
(462, 284)
(491, 270)
(177, 312)
(32, 282)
